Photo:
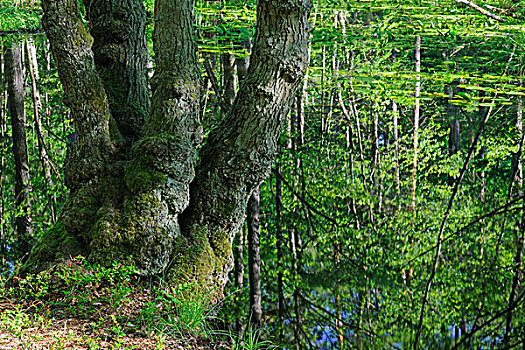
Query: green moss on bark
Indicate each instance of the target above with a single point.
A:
(196, 260)
(192, 262)
(141, 178)
(56, 244)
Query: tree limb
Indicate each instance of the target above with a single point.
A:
(481, 10)
(239, 152)
(119, 32)
(84, 91)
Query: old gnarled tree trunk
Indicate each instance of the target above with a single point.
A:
(137, 195)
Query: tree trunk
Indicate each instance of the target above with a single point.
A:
(416, 121)
(519, 238)
(230, 83)
(453, 135)
(16, 101)
(3, 113)
(395, 116)
(37, 109)
(239, 152)
(239, 263)
(138, 207)
(118, 29)
(254, 259)
(230, 78)
(279, 242)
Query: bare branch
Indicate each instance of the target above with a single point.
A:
(481, 10)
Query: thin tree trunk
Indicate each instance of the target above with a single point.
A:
(395, 115)
(3, 110)
(351, 148)
(239, 261)
(520, 232)
(359, 140)
(295, 234)
(230, 82)
(481, 111)
(16, 99)
(323, 93)
(37, 109)
(416, 120)
(254, 259)
(279, 242)
(454, 126)
(338, 304)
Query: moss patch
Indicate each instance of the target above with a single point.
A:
(141, 178)
(55, 244)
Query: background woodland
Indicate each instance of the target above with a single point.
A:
(394, 214)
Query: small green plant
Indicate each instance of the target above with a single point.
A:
(31, 288)
(116, 328)
(92, 344)
(160, 342)
(82, 282)
(17, 322)
(250, 340)
(178, 311)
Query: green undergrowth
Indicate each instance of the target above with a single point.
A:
(113, 302)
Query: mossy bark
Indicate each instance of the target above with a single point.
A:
(118, 28)
(153, 207)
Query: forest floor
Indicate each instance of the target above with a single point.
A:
(85, 308)
(21, 327)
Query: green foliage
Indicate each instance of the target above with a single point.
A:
(364, 254)
(19, 16)
(17, 322)
(81, 281)
(250, 340)
(181, 310)
(102, 295)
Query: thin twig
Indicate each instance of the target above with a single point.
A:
(215, 85)
(500, 210)
(303, 200)
(481, 10)
(489, 321)
(443, 223)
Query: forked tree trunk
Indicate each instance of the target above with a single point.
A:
(153, 207)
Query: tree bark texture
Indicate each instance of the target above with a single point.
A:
(153, 206)
(16, 102)
(254, 259)
(118, 29)
(240, 150)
